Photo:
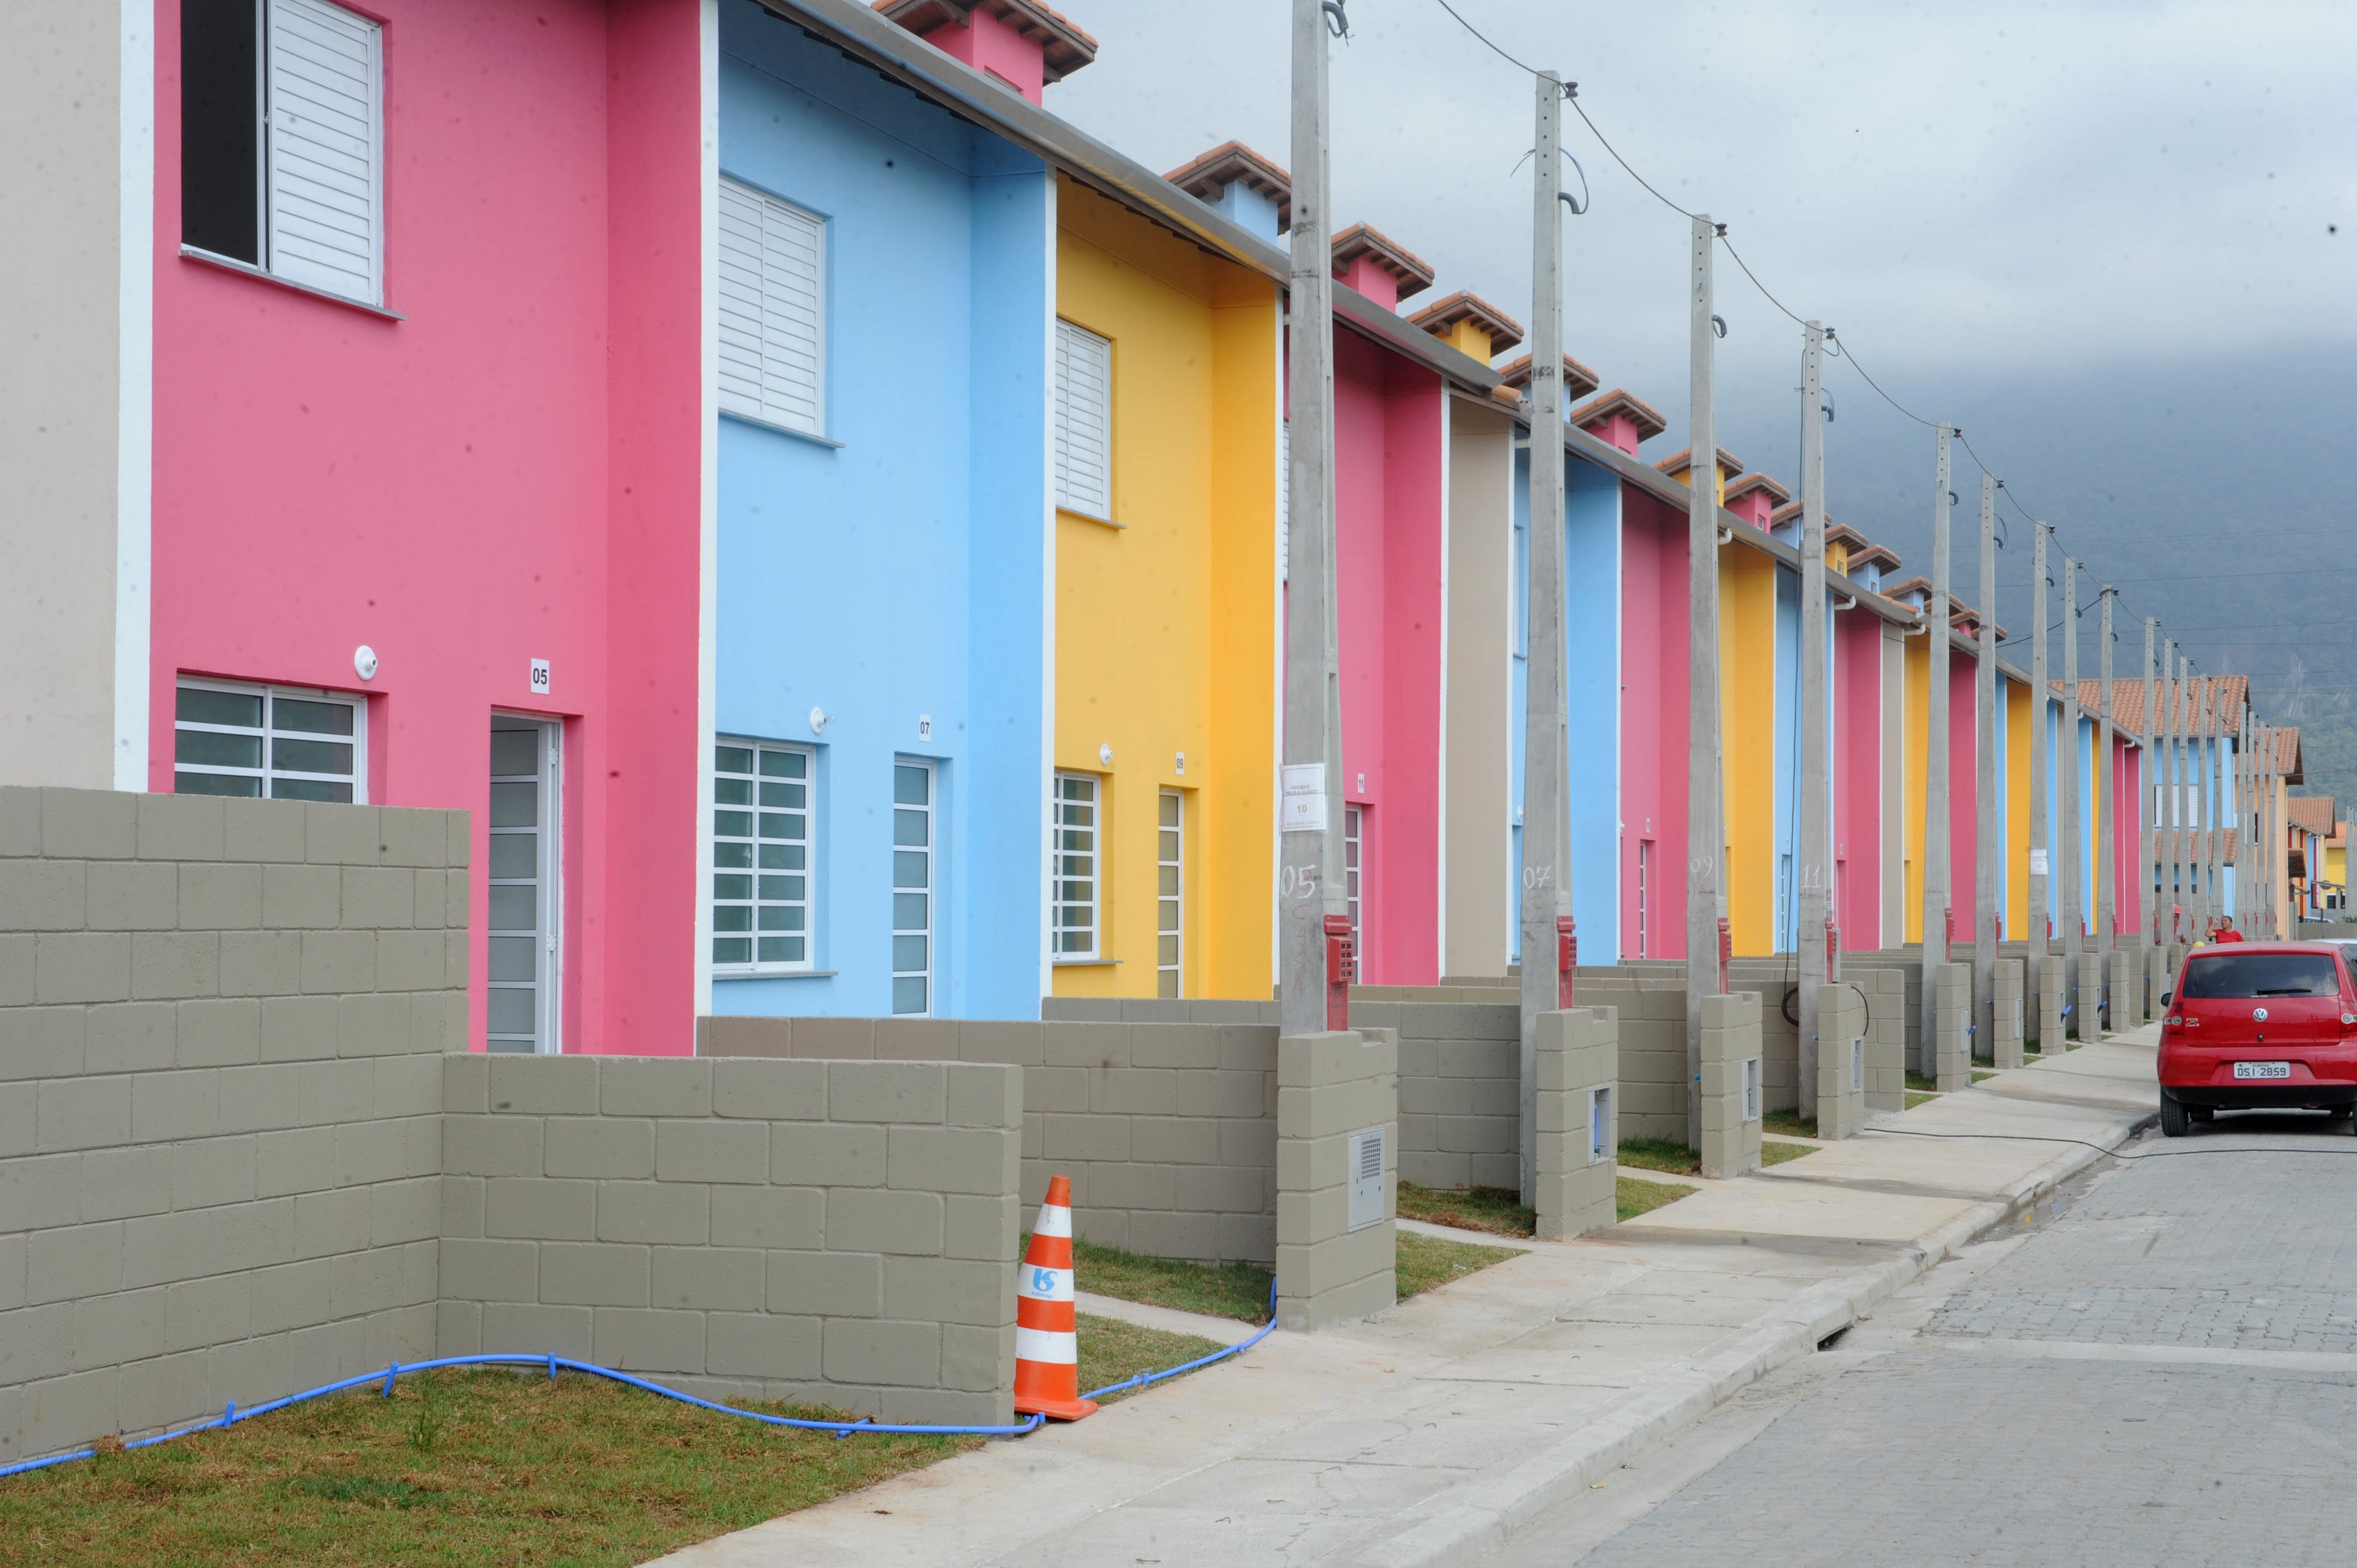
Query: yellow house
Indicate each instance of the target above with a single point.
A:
(1163, 803)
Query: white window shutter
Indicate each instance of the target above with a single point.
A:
(1083, 421)
(773, 310)
(324, 92)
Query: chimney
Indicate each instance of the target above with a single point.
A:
(1020, 42)
(1758, 501)
(1252, 191)
(1617, 419)
(1378, 266)
(1469, 324)
(1680, 468)
(1578, 380)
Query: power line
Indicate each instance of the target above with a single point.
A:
(1486, 43)
(1574, 95)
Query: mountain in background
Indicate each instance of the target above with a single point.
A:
(2208, 493)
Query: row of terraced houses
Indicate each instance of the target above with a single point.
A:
(825, 516)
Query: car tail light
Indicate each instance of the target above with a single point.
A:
(2347, 1019)
(2173, 1021)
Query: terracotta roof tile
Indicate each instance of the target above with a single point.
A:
(2309, 813)
(1737, 488)
(1677, 463)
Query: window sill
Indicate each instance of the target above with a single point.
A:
(1087, 517)
(1084, 962)
(719, 973)
(779, 429)
(246, 269)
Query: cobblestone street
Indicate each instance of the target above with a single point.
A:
(2160, 1369)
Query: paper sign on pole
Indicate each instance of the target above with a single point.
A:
(2036, 862)
(1305, 798)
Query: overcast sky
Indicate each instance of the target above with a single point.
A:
(1960, 189)
(2094, 232)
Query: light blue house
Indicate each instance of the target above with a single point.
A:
(877, 836)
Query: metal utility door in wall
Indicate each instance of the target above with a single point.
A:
(526, 916)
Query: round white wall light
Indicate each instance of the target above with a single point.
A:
(364, 662)
(1104, 754)
(820, 719)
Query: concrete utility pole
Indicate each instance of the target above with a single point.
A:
(1546, 811)
(2246, 864)
(2107, 813)
(2073, 867)
(2173, 895)
(1935, 761)
(1988, 851)
(2204, 811)
(1815, 870)
(1309, 869)
(1706, 786)
(2149, 928)
(2041, 836)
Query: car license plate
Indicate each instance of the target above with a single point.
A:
(2263, 1070)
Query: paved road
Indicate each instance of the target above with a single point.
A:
(2160, 1368)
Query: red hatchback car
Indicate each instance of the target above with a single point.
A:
(2258, 1025)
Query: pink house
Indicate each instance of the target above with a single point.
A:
(431, 437)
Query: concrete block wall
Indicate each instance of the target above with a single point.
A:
(2010, 1013)
(2086, 1013)
(1883, 994)
(1459, 1069)
(2157, 972)
(1841, 1061)
(1730, 1039)
(1906, 963)
(1578, 1054)
(1952, 999)
(221, 1028)
(1650, 1005)
(2128, 972)
(2048, 972)
(839, 1233)
(1330, 1085)
(1167, 1129)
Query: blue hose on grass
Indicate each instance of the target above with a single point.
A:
(1143, 1379)
(839, 1428)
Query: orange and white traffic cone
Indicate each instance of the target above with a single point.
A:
(1046, 1350)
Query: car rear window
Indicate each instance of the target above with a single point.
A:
(2262, 974)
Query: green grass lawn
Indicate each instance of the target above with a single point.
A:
(1658, 1154)
(1497, 1209)
(1632, 1196)
(1790, 1123)
(457, 1469)
(1111, 1350)
(1773, 1153)
(1922, 1085)
(1424, 1262)
(1914, 1098)
(1221, 1289)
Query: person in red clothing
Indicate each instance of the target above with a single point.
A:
(2221, 929)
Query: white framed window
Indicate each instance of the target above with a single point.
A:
(286, 743)
(1354, 845)
(1077, 870)
(1285, 501)
(764, 801)
(1083, 422)
(282, 140)
(915, 861)
(773, 310)
(1170, 900)
(1645, 897)
(525, 924)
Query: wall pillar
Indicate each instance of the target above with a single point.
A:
(2050, 1034)
(1732, 1063)
(1952, 1059)
(2127, 989)
(2087, 1006)
(2004, 1046)
(1580, 1060)
(1885, 993)
(1331, 1088)
(1841, 1061)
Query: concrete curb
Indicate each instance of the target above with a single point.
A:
(1481, 1516)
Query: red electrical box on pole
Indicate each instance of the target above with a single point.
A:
(1340, 960)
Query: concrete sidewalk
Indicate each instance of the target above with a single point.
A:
(1429, 1435)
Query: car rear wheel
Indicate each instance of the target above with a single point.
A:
(2174, 1121)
